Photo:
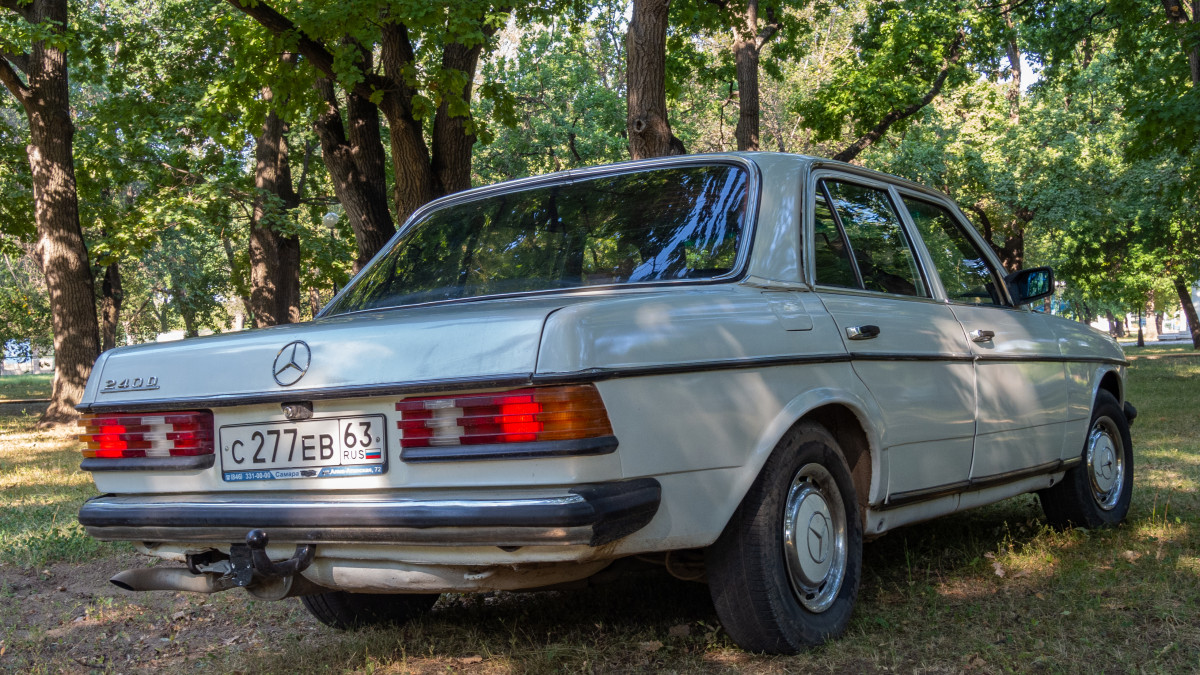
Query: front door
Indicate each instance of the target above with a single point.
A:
(1021, 377)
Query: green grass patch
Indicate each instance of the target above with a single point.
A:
(41, 488)
(25, 386)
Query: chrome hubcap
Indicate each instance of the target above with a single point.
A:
(814, 537)
(1106, 463)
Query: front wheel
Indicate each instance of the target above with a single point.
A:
(1097, 492)
(784, 574)
(346, 611)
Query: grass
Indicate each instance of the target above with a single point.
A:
(41, 488)
(25, 386)
(989, 590)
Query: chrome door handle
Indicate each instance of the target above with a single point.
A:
(982, 335)
(866, 332)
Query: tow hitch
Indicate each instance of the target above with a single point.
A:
(247, 566)
(250, 559)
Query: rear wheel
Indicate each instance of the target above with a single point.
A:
(784, 574)
(1097, 492)
(344, 611)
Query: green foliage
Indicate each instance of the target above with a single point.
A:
(561, 104)
(896, 57)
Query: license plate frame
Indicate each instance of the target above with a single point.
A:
(239, 440)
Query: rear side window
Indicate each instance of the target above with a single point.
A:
(661, 225)
(960, 264)
(880, 254)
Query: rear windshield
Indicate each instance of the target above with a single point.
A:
(660, 225)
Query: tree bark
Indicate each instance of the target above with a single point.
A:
(871, 137)
(61, 250)
(747, 50)
(110, 306)
(356, 164)
(274, 256)
(1184, 291)
(1190, 45)
(1014, 69)
(645, 79)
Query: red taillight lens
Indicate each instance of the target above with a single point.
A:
(520, 416)
(114, 435)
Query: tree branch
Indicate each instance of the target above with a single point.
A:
(877, 132)
(12, 81)
(22, 7)
(21, 61)
(316, 53)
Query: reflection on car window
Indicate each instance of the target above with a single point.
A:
(830, 254)
(665, 224)
(961, 265)
(881, 251)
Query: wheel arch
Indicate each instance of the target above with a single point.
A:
(1110, 380)
(847, 417)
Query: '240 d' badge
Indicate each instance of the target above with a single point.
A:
(291, 363)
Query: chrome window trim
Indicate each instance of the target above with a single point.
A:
(972, 234)
(740, 267)
(819, 170)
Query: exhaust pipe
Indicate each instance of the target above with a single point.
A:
(170, 579)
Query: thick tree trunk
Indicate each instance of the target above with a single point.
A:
(747, 50)
(356, 164)
(274, 257)
(418, 175)
(1184, 291)
(110, 307)
(61, 251)
(451, 139)
(745, 54)
(645, 79)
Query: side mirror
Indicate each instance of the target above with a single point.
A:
(1029, 285)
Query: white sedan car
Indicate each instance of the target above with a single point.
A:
(749, 362)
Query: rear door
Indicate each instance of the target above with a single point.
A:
(907, 347)
(1019, 369)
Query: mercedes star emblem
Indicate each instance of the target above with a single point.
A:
(291, 363)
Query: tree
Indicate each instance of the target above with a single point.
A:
(904, 56)
(429, 55)
(646, 122)
(44, 95)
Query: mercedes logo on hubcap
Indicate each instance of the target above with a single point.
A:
(291, 363)
(818, 528)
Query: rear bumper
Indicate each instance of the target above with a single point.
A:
(590, 515)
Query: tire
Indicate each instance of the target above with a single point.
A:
(347, 611)
(774, 591)
(1098, 491)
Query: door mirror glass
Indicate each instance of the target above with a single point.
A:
(1032, 284)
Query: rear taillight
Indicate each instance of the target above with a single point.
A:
(176, 434)
(519, 416)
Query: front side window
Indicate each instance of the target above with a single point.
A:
(960, 264)
(880, 253)
(661, 225)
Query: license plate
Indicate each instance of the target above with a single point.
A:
(317, 448)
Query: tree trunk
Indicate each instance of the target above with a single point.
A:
(1014, 69)
(745, 54)
(110, 306)
(747, 50)
(1115, 328)
(418, 175)
(1184, 291)
(356, 164)
(274, 257)
(61, 251)
(645, 79)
